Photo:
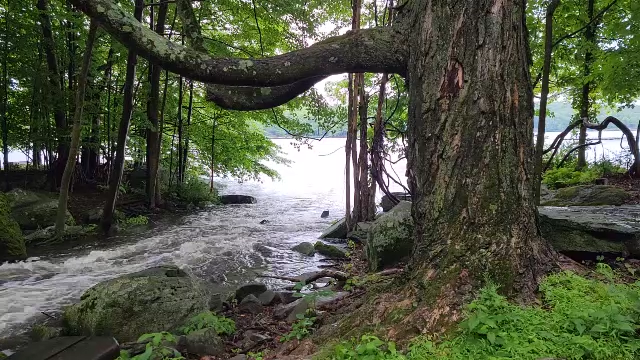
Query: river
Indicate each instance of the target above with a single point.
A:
(225, 245)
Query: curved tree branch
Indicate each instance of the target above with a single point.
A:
(370, 50)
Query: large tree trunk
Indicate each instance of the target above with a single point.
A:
(123, 130)
(5, 101)
(153, 134)
(470, 151)
(75, 135)
(585, 102)
(57, 97)
(544, 96)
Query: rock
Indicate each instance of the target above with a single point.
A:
(326, 300)
(254, 289)
(12, 245)
(387, 204)
(286, 297)
(239, 357)
(153, 300)
(329, 251)
(264, 222)
(268, 298)
(34, 210)
(360, 233)
(281, 312)
(305, 248)
(93, 216)
(602, 181)
(390, 238)
(325, 214)
(338, 230)
(250, 304)
(263, 250)
(588, 195)
(216, 303)
(236, 199)
(204, 342)
(592, 229)
(43, 332)
(300, 306)
(47, 235)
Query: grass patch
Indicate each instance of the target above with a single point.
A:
(579, 318)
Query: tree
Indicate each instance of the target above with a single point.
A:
(470, 119)
(75, 134)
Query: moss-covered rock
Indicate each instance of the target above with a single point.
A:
(329, 251)
(154, 300)
(48, 235)
(589, 195)
(35, 210)
(337, 230)
(305, 248)
(44, 332)
(11, 240)
(390, 237)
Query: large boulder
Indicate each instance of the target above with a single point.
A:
(153, 300)
(330, 251)
(337, 230)
(35, 210)
(305, 248)
(236, 199)
(48, 235)
(387, 204)
(588, 195)
(390, 237)
(589, 229)
(11, 240)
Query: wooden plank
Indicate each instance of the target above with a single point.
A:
(92, 348)
(46, 349)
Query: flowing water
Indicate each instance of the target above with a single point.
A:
(225, 245)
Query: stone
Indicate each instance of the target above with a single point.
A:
(387, 204)
(305, 248)
(204, 342)
(44, 332)
(602, 181)
(153, 300)
(239, 357)
(250, 304)
(47, 235)
(301, 305)
(264, 222)
(12, 244)
(263, 250)
(325, 214)
(360, 233)
(254, 289)
(588, 195)
(300, 308)
(236, 199)
(592, 229)
(33, 210)
(282, 311)
(286, 297)
(268, 298)
(390, 237)
(216, 303)
(329, 251)
(337, 230)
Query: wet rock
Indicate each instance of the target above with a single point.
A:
(254, 289)
(236, 199)
(588, 195)
(34, 210)
(592, 229)
(43, 332)
(360, 233)
(12, 245)
(305, 248)
(216, 303)
(286, 297)
(204, 342)
(390, 237)
(337, 230)
(250, 304)
(252, 338)
(329, 251)
(263, 250)
(264, 222)
(47, 236)
(268, 298)
(281, 312)
(153, 300)
(291, 311)
(387, 204)
(325, 214)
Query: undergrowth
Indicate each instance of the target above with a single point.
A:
(580, 318)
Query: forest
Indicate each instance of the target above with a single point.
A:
(505, 242)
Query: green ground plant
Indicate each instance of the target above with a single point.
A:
(206, 320)
(158, 346)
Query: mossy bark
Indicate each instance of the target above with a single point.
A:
(11, 240)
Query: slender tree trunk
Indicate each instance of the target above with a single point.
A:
(585, 103)
(5, 100)
(377, 144)
(57, 96)
(185, 149)
(366, 213)
(123, 130)
(180, 149)
(75, 135)
(153, 134)
(544, 96)
(470, 154)
(347, 149)
(213, 154)
(352, 128)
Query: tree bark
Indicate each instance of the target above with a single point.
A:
(470, 151)
(123, 130)
(75, 135)
(366, 211)
(585, 102)
(153, 134)
(57, 97)
(544, 96)
(5, 101)
(185, 149)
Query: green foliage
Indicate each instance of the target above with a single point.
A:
(206, 320)
(312, 296)
(255, 356)
(300, 329)
(580, 318)
(137, 220)
(157, 347)
(563, 177)
(194, 191)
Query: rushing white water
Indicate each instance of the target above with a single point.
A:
(222, 244)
